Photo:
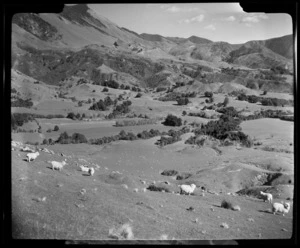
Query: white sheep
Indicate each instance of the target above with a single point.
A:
(267, 196)
(283, 208)
(57, 165)
(91, 171)
(84, 168)
(32, 156)
(187, 189)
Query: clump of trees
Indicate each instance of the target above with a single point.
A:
(19, 102)
(102, 105)
(77, 116)
(18, 119)
(120, 110)
(173, 136)
(111, 84)
(266, 101)
(172, 120)
(229, 111)
(76, 138)
(182, 101)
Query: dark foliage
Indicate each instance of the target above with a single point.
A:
(64, 138)
(208, 94)
(111, 84)
(105, 89)
(265, 101)
(182, 101)
(226, 101)
(19, 102)
(172, 120)
(226, 204)
(169, 173)
(56, 128)
(138, 95)
(230, 111)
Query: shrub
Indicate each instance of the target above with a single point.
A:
(172, 120)
(56, 128)
(253, 99)
(105, 89)
(184, 113)
(267, 102)
(138, 95)
(183, 101)
(71, 115)
(209, 100)
(45, 142)
(226, 101)
(230, 111)
(265, 92)
(159, 89)
(111, 84)
(169, 173)
(78, 138)
(208, 94)
(226, 204)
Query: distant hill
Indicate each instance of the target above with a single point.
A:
(152, 37)
(281, 45)
(53, 47)
(198, 40)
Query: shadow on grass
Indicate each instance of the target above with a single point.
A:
(266, 211)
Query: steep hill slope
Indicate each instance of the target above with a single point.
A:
(53, 47)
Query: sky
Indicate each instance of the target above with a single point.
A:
(215, 21)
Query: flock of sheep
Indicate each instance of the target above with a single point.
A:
(32, 155)
(282, 207)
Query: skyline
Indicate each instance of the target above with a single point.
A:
(214, 21)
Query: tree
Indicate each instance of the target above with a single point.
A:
(226, 101)
(172, 120)
(56, 128)
(138, 95)
(208, 94)
(78, 138)
(71, 115)
(182, 101)
(105, 89)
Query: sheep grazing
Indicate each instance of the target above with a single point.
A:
(267, 197)
(187, 189)
(91, 171)
(283, 208)
(84, 168)
(32, 156)
(57, 165)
